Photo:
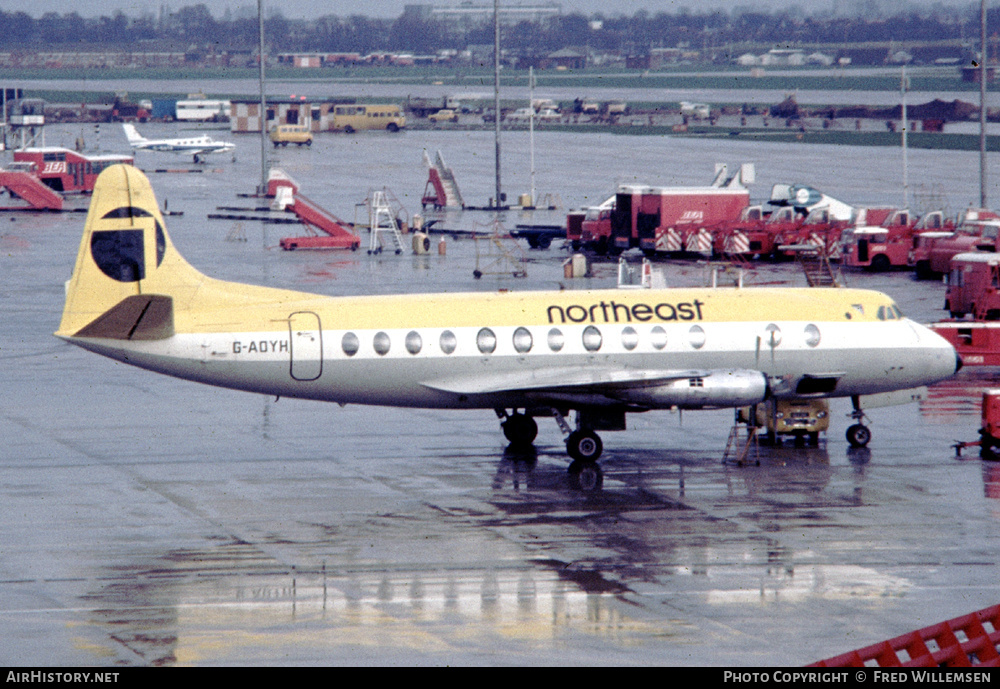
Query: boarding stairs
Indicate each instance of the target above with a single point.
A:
(441, 190)
(741, 444)
(382, 223)
(816, 266)
(967, 641)
(30, 189)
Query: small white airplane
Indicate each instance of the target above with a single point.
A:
(195, 145)
(600, 353)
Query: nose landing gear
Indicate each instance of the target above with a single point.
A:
(858, 435)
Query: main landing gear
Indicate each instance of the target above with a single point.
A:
(858, 435)
(520, 429)
(582, 444)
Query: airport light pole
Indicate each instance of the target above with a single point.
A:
(496, 95)
(262, 189)
(904, 86)
(982, 104)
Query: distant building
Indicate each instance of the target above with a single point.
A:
(783, 57)
(567, 58)
(317, 115)
(469, 13)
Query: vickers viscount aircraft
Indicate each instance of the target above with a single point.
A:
(599, 353)
(193, 145)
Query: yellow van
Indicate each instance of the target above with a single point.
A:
(284, 134)
(356, 118)
(802, 419)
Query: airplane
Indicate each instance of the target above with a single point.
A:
(600, 353)
(196, 145)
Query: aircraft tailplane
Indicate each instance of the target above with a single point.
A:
(132, 134)
(128, 276)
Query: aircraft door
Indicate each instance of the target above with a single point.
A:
(306, 346)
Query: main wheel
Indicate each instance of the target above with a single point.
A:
(858, 435)
(520, 429)
(584, 446)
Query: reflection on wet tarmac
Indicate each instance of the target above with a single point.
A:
(192, 610)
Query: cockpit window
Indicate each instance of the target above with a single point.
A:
(889, 313)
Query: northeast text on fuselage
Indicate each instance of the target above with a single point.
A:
(615, 312)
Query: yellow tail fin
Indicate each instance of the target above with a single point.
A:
(128, 274)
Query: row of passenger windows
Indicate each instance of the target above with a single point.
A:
(523, 341)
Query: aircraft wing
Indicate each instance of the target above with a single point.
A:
(616, 386)
(588, 379)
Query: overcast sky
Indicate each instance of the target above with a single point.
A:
(393, 8)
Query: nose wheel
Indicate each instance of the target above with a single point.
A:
(858, 435)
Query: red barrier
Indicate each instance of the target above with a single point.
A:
(962, 642)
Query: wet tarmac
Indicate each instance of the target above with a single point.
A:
(152, 521)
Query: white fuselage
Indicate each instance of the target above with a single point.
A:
(414, 368)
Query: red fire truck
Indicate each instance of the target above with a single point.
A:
(887, 245)
(974, 286)
(932, 251)
(755, 233)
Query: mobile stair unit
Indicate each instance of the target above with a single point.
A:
(382, 223)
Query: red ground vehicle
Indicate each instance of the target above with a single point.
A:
(889, 244)
(65, 170)
(755, 232)
(591, 228)
(933, 251)
(820, 229)
(974, 286)
(663, 219)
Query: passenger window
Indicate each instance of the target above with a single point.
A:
(556, 339)
(658, 336)
(630, 338)
(592, 339)
(448, 342)
(381, 343)
(881, 313)
(812, 335)
(486, 341)
(773, 338)
(350, 344)
(414, 343)
(522, 340)
(696, 336)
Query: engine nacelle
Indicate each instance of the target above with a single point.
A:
(738, 388)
